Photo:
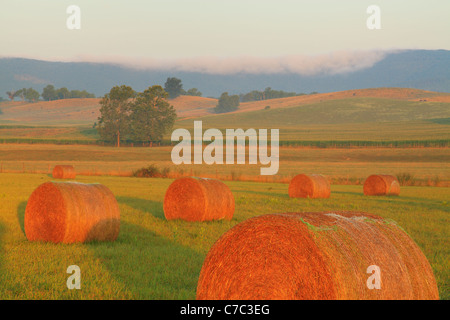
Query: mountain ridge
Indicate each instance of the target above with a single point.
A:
(420, 69)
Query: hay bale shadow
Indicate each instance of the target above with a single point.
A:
(155, 208)
(21, 215)
(161, 268)
(104, 230)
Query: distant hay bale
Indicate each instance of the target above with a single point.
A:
(315, 256)
(70, 212)
(309, 186)
(381, 185)
(198, 199)
(64, 172)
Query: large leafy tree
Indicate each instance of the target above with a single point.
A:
(227, 103)
(151, 115)
(49, 93)
(21, 93)
(63, 93)
(173, 87)
(31, 95)
(114, 122)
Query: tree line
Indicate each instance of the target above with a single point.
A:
(173, 87)
(127, 115)
(49, 93)
(266, 94)
(227, 102)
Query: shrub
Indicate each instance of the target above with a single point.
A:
(151, 171)
(405, 179)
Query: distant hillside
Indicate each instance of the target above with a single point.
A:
(355, 119)
(58, 112)
(420, 69)
(339, 111)
(86, 111)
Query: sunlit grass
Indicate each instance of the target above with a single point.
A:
(158, 259)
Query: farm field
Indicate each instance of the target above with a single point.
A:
(345, 136)
(86, 111)
(427, 166)
(359, 121)
(158, 259)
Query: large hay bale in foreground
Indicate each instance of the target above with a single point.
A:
(64, 172)
(198, 199)
(309, 186)
(71, 212)
(315, 256)
(381, 185)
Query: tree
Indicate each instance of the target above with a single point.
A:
(227, 103)
(74, 94)
(85, 94)
(21, 93)
(49, 93)
(31, 95)
(252, 96)
(193, 92)
(113, 124)
(173, 87)
(63, 93)
(151, 115)
(11, 95)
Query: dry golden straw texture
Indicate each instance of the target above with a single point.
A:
(381, 185)
(309, 186)
(310, 256)
(198, 199)
(70, 212)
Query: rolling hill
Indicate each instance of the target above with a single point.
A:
(379, 114)
(86, 111)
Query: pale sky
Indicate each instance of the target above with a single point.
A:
(133, 31)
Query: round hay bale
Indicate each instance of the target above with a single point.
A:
(70, 212)
(315, 256)
(198, 199)
(309, 186)
(381, 185)
(64, 172)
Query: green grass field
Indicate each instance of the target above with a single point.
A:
(158, 259)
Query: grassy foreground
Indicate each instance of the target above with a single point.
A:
(158, 259)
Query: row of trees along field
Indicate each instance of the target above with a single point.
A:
(127, 115)
(227, 103)
(48, 93)
(267, 94)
